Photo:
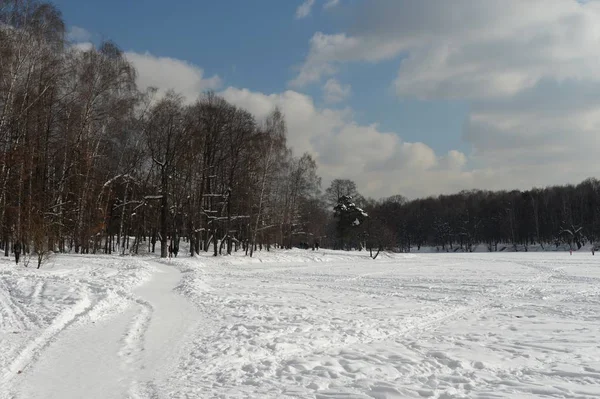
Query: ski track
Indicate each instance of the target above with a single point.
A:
(292, 324)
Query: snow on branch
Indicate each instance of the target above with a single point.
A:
(230, 218)
(159, 163)
(128, 203)
(267, 227)
(117, 177)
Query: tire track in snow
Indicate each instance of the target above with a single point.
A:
(11, 315)
(37, 291)
(221, 353)
(15, 311)
(560, 274)
(31, 352)
(428, 321)
(247, 351)
(132, 349)
(236, 351)
(97, 300)
(143, 391)
(133, 341)
(133, 344)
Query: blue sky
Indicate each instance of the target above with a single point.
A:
(258, 45)
(249, 44)
(405, 97)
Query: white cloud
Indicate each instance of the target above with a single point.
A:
(326, 51)
(84, 46)
(473, 50)
(167, 73)
(551, 124)
(335, 92)
(454, 160)
(529, 71)
(78, 35)
(331, 3)
(379, 162)
(304, 9)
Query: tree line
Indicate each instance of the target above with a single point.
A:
(90, 164)
(555, 216)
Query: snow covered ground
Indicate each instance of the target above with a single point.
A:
(302, 324)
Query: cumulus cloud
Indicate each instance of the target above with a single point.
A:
(453, 161)
(549, 124)
(84, 46)
(304, 9)
(77, 34)
(326, 51)
(335, 92)
(529, 71)
(380, 162)
(471, 50)
(167, 73)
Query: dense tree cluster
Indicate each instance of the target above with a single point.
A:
(568, 215)
(88, 163)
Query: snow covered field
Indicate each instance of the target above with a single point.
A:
(302, 324)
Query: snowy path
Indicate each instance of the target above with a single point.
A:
(125, 353)
(302, 324)
(162, 333)
(69, 368)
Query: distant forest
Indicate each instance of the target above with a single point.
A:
(567, 215)
(91, 164)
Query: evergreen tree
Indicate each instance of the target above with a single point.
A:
(349, 218)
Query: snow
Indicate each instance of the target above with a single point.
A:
(314, 324)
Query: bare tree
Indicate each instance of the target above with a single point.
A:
(166, 134)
